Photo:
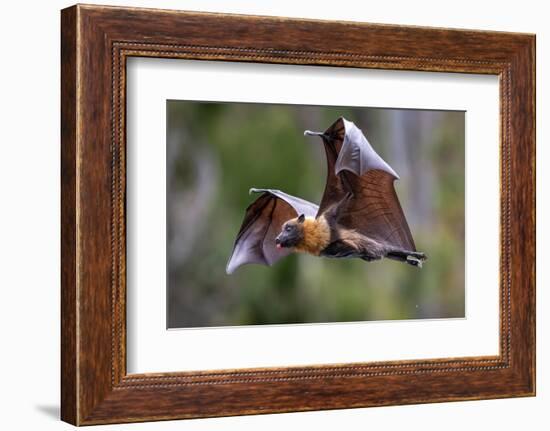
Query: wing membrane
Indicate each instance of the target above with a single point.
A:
(262, 222)
(360, 184)
(373, 209)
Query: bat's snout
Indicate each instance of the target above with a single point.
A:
(278, 243)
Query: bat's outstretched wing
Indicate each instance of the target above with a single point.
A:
(262, 222)
(360, 183)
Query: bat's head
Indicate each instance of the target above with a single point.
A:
(292, 233)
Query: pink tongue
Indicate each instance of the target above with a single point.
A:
(278, 246)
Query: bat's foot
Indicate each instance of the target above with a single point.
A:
(416, 258)
(414, 261)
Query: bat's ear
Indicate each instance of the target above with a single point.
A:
(301, 218)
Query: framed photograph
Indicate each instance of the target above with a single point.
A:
(266, 215)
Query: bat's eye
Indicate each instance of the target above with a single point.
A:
(288, 228)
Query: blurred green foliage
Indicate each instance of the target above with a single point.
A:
(217, 152)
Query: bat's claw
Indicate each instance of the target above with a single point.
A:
(310, 133)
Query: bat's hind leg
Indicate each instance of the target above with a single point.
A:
(414, 258)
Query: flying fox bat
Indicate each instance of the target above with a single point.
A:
(359, 214)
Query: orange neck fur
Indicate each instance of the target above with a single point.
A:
(316, 236)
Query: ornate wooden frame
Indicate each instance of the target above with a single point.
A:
(95, 43)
